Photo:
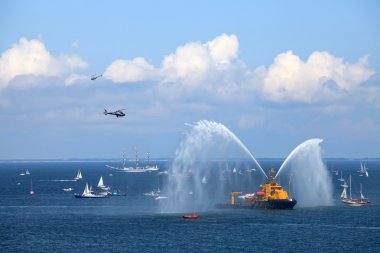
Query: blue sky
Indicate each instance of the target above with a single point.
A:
(274, 72)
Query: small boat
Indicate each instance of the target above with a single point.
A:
(191, 216)
(31, 192)
(78, 176)
(27, 172)
(68, 189)
(204, 180)
(102, 186)
(87, 193)
(22, 173)
(363, 171)
(153, 193)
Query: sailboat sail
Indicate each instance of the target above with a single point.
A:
(101, 184)
(344, 194)
(86, 190)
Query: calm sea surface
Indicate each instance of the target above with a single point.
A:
(52, 220)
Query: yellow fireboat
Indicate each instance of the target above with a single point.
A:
(270, 196)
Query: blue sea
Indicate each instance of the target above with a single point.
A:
(52, 220)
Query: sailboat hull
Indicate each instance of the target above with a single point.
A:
(93, 196)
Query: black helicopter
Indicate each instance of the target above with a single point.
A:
(118, 113)
(94, 77)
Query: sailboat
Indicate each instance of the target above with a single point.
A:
(102, 186)
(343, 196)
(341, 176)
(204, 180)
(362, 197)
(87, 193)
(78, 176)
(354, 202)
(363, 171)
(27, 172)
(22, 173)
(31, 192)
(136, 168)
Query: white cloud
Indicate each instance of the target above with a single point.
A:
(223, 48)
(192, 64)
(30, 57)
(189, 64)
(322, 77)
(124, 71)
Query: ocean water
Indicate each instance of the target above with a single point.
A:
(53, 220)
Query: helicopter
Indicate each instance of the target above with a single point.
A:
(94, 77)
(118, 113)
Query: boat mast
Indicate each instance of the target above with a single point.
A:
(350, 187)
(123, 154)
(137, 158)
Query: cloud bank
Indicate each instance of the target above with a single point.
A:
(211, 68)
(214, 66)
(30, 57)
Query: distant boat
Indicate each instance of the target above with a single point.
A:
(134, 169)
(87, 193)
(102, 186)
(27, 172)
(155, 193)
(354, 202)
(78, 176)
(191, 216)
(363, 171)
(341, 176)
(68, 189)
(22, 173)
(204, 180)
(31, 192)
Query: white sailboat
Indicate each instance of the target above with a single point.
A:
(22, 173)
(136, 168)
(27, 172)
(363, 171)
(204, 180)
(78, 176)
(101, 184)
(87, 193)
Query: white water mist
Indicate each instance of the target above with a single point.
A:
(195, 182)
(311, 182)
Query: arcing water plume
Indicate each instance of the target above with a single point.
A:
(195, 183)
(310, 181)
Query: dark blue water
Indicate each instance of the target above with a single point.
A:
(54, 221)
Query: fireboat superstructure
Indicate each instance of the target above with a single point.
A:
(270, 196)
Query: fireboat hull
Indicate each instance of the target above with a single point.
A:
(270, 204)
(277, 204)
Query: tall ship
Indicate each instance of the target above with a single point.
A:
(136, 168)
(270, 196)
